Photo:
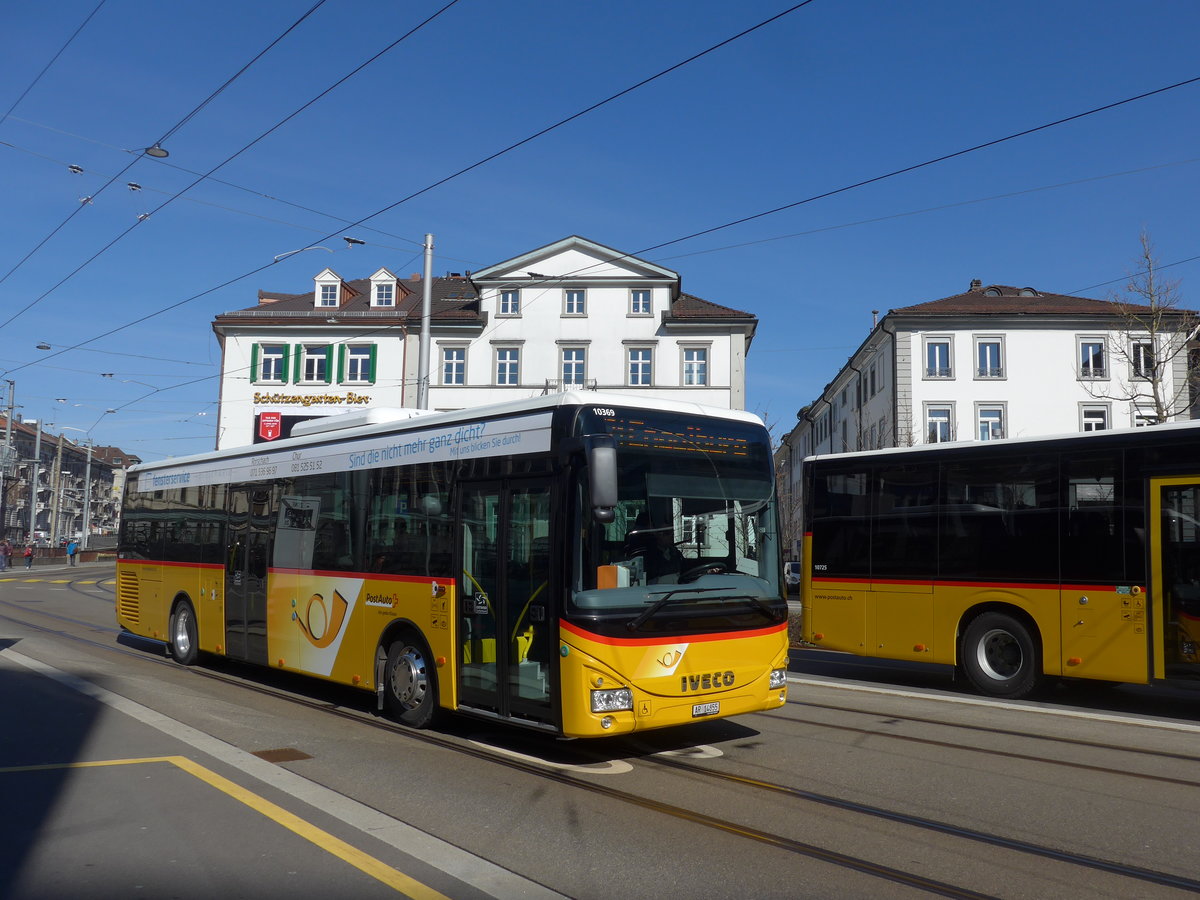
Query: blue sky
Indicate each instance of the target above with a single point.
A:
(830, 95)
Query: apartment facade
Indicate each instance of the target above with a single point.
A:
(997, 361)
(572, 315)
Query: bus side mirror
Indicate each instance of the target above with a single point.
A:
(601, 451)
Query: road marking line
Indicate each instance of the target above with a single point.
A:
(1000, 704)
(378, 870)
(485, 876)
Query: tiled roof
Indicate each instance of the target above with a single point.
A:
(686, 305)
(1006, 300)
(452, 298)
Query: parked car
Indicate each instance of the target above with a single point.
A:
(791, 577)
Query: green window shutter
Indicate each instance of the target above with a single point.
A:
(254, 363)
(371, 366)
(299, 361)
(283, 369)
(328, 363)
(341, 369)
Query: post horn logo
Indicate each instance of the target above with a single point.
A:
(670, 659)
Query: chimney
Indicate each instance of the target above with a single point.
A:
(415, 276)
(976, 284)
(874, 318)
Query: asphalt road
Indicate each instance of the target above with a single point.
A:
(874, 780)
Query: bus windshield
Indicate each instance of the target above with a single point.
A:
(695, 517)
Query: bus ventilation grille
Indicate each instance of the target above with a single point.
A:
(128, 607)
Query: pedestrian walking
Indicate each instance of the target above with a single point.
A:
(72, 549)
(29, 556)
(5, 554)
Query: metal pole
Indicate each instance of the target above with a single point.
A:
(6, 467)
(33, 482)
(426, 308)
(87, 499)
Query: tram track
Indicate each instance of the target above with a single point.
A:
(861, 864)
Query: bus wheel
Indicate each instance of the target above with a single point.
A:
(184, 643)
(410, 683)
(1000, 657)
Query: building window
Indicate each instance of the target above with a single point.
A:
(938, 420)
(1142, 356)
(1143, 416)
(1094, 418)
(695, 365)
(575, 303)
(358, 365)
(454, 365)
(938, 362)
(989, 357)
(385, 295)
(510, 303)
(329, 295)
(271, 365)
(640, 370)
(508, 365)
(1092, 363)
(639, 303)
(314, 363)
(574, 365)
(989, 422)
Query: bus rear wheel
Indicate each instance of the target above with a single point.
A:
(1000, 656)
(410, 683)
(184, 644)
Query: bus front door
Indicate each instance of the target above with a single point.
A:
(1174, 523)
(506, 640)
(246, 553)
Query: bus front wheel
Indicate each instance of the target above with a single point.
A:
(184, 644)
(1001, 657)
(410, 683)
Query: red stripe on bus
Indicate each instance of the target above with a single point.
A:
(666, 639)
(373, 576)
(1016, 585)
(163, 562)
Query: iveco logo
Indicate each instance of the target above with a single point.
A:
(705, 682)
(669, 659)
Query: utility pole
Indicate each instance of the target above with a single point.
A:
(426, 313)
(6, 467)
(87, 497)
(56, 493)
(33, 482)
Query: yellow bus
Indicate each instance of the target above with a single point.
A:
(579, 564)
(1017, 561)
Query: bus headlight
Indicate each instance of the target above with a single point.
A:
(612, 701)
(778, 678)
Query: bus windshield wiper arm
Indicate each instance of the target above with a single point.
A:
(665, 599)
(635, 624)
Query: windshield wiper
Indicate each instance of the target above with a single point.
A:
(669, 597)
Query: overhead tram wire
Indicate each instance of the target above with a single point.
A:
(221, 181)
(711, 230)
(134, 162)
(219, 165)
(391, 206)
(233, 209)
(52, 61)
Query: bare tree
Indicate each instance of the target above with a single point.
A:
(1152, 343)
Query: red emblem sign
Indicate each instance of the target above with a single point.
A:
(270, 425)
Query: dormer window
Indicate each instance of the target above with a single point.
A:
(384, 290)
(329, 290)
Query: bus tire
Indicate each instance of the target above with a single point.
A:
(184, 643)
(1000, 656)
(410, 683)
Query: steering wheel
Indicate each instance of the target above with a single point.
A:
(712, 568)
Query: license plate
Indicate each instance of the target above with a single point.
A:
(706, 709)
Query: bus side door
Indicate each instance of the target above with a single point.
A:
(507, 619)
(1174, 607)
